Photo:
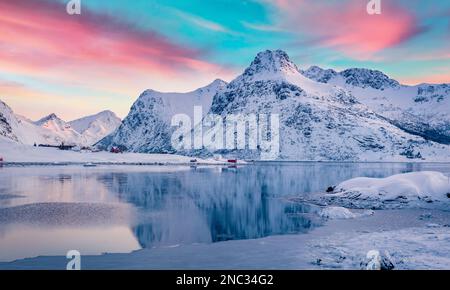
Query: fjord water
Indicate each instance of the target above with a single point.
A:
(50, 210)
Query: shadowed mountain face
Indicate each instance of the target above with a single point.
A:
(5, 119)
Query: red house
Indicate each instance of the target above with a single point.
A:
(115, 150)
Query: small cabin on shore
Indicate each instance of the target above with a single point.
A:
(60, 147)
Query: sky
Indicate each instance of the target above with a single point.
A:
(75, 65)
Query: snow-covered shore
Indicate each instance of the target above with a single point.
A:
(12, 152)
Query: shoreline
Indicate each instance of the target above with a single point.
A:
(212, 163)
(24, 164)
(338, 244)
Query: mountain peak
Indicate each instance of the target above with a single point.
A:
(271, 61)
(50, 117)
(358, 77)
(319, 74)
(105, 118)
(363, 77)
(217, 84)
(4, 106)
(107, 113)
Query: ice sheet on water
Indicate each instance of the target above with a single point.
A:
(67, 214)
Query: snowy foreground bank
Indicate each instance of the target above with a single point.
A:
(17, 153)
(426, 189)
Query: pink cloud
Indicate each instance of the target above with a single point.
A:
(39, 34)
(436, 76)
(429, 79)
(88, 62)
(347, 27)
(286, 4)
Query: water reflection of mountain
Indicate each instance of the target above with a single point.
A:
(217, 204)
(207, 205)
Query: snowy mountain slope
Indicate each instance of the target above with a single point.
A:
(147, 128)
(423, 110)
(22, 130)
(59, 128)
(6, 118)
(95, 127)
(318, 121)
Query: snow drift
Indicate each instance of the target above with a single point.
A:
(409, 189)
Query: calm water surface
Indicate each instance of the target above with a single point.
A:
(49, 210)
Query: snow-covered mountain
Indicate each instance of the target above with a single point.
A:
(6, 118)
(62, 131)
(22, 130)
(52, 130)
(147, 128)
(423, 110)
(356, 114)
(319, 121)
(323, 116)
(95, 127)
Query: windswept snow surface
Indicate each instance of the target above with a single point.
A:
(414, 189)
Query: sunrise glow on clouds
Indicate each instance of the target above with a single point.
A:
(76, 65)
(345, 28)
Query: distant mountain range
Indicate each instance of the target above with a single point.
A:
(423, 110)
(51, 130)
(353, 115)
